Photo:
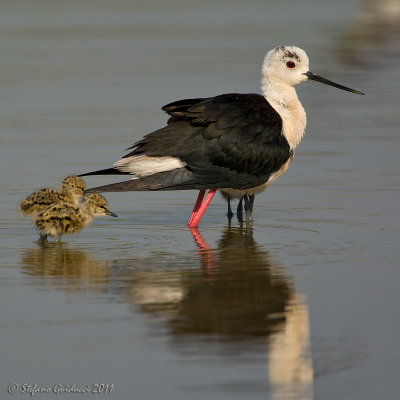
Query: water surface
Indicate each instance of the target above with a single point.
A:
(303, 305)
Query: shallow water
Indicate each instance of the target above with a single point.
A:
(303, 305)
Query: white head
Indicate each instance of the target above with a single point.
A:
(285, 65)
(283, 68)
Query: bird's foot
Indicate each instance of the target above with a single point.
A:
(42, 238)
(239, 210)
(240, 206)
(249, 220)
(248, 206)
(230, 212)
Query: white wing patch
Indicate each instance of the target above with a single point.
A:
(146, 166)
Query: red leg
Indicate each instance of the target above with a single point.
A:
(196, 216)
(197, 206)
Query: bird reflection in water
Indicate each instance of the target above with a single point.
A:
(73, 269)
(238, 302)
(239, 299)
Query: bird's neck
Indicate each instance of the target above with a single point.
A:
(283, 98)
(86, 214)
(71, 196)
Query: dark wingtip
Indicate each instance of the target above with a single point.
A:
(107, 171)
(115, 187)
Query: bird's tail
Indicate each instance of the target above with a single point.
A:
(177, 179)
(126, 186)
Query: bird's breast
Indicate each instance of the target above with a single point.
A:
(294, 121)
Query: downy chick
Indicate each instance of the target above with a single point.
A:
(64, 218)
(71, 190)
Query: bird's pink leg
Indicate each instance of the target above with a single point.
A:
(197, 206)
(200, 207)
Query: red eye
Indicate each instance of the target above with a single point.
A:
(290, 64)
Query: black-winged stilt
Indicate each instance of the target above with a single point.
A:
(237, 143)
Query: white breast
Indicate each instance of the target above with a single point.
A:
(294, 120)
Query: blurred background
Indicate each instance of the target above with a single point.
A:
(301, 306)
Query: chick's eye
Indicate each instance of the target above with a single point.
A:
(290, 64)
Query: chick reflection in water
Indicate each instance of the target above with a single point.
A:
(240, 299)
(65, 218)
(64, 267)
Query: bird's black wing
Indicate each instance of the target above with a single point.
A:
(231, 140)
(236, 137)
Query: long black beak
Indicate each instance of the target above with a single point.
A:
(315, 77)
(108, 212)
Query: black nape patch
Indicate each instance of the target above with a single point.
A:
(288, 53)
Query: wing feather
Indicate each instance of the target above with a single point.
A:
(234, 131)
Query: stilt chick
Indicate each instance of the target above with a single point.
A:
(64, 218)
(71, 190)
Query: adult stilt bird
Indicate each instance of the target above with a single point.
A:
(237, 143)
